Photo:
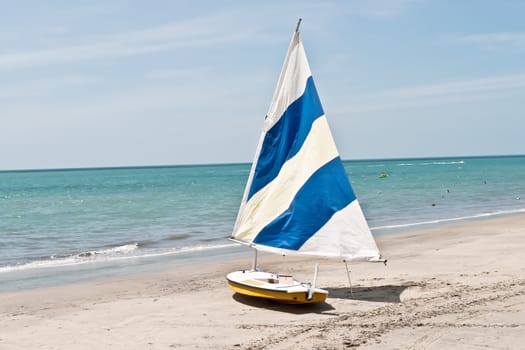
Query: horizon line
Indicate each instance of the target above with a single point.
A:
(242, 163)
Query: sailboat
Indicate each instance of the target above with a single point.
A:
(298, 199)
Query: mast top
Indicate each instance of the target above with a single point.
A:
(298, 24)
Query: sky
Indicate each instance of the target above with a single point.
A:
(135, 83)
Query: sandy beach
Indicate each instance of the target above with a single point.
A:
(460, 286)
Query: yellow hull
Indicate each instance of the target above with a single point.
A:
(281, 296)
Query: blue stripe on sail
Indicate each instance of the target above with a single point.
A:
(286, 137)
(326, 192)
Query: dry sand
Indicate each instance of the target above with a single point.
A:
(455, 287)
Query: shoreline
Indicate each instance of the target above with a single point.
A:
(45, 271)
(457, 285)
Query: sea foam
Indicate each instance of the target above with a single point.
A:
(440, 221)
(124, 252)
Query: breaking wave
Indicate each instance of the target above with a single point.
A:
(439, 221)
(123, 252)
(444, 163)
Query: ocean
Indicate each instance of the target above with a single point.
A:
(63, 226)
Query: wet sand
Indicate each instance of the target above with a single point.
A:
(457, 286)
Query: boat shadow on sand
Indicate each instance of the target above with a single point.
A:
(379, 294)
(298, 309)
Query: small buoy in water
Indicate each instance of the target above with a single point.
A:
(433, 204)
(383, 175)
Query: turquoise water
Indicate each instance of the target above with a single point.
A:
(60, 226)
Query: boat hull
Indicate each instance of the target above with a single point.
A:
(271, 286)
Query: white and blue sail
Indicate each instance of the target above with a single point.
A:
(298, 197)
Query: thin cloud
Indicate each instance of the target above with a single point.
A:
(168, 37)
(495, 40)
(43, 87)
(440, 93)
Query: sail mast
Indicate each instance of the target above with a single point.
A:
(298, 24)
